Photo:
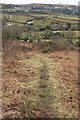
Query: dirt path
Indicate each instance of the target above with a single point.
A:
(49, 93)
(45, 85)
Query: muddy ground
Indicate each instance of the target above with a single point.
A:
(39, 85)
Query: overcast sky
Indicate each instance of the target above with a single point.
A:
(71, 2)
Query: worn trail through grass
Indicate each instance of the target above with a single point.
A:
(45, 86)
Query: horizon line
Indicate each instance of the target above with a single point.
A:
(40, 3)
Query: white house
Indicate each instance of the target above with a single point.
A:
(30, 22)
(10, 16)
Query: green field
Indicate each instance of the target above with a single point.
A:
(17, 18)
(42, 21)
(69, 17)
(64, 20)
(45, 21)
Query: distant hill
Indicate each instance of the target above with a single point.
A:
(50, 8)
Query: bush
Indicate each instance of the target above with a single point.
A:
(38, 40)
(48, 35)
(12, 32)
(18, 37)
(78, 43)
(72, 48)
(57, 33)
(26, 38)
(42, 29)
(46, 49)
(31, 40)
(79, 50)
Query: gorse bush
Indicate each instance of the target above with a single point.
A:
(18, 37)
(48, 35)
(12, 32)
(46, 49)
(26, 38)
(72, 48)
(30, 40)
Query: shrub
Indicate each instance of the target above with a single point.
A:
(48, 35)
(79, 50)
(38, 40)
(26, 38)
(18, 37)
(46, 49)
(42, 29)
(72, 48)
(30, 40)
(48, 27)
(78, 43)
